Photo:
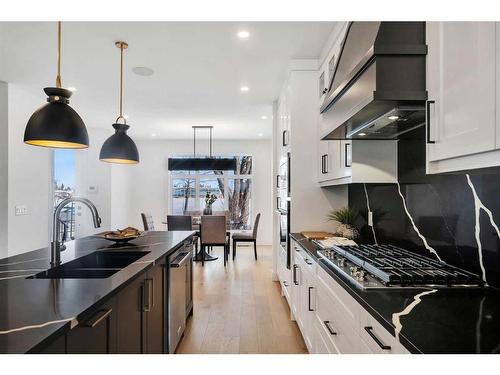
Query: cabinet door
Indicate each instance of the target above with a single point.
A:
(96, 334)
(130, 329)
(461, 88)
(307, 308)
(154, 295)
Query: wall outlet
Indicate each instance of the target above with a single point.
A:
(21, 210)
(370, 218)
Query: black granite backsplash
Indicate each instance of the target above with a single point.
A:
(452, 217)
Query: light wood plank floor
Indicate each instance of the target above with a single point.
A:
(239, 309)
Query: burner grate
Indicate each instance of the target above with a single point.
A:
(396, 266)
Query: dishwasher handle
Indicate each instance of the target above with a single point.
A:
(184, 259)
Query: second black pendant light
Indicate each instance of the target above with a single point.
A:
(120, 148)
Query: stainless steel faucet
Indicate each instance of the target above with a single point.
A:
(57, 245)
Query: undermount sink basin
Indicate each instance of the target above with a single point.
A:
(97, 265)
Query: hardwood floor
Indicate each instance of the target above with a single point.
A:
(239, 309)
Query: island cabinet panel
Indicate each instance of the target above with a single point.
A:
(58, 346)
(155, 306)
(96, 333)
(130, 327)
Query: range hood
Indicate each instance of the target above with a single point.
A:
(378, 86)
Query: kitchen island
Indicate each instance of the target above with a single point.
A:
(123, 313)
(421, 319)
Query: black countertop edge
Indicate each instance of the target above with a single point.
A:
(158, 245)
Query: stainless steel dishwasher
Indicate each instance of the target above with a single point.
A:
(179, 290)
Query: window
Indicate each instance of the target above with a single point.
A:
(233, 190)
(64, 187)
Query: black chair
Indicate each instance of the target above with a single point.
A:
(213, 233)
(147, 221)
(182, 222)
(247, 237)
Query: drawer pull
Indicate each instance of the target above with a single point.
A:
(295, 274)
(97, 318)
(382, 346)
(329, 328)
(309, 298)
(285, 284)
(308, 262)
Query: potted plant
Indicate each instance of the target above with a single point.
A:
(345, 217)
(209, 200)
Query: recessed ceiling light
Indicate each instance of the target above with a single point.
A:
(143, 71)
(260, 134)
(393, 117)
(153, 135)
(263, 117)
(244, 88)
(243, 34)
(362, 134)
(72, 89)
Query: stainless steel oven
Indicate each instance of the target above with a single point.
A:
(283, 204)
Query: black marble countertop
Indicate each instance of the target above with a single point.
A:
(33, 310)
(448, 320)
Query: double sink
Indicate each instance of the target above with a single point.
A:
(97, 265)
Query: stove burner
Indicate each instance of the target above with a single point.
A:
(394, 266)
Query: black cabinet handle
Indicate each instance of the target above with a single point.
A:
(382, 346)
(285, 284)
(278, 181)
(428, 118)
(97, 318)
(346, 153)
(295, 274)
(324, 163)
(325, 90)
(329, 327)
(309, 298)
(308, 262)
(278, 202)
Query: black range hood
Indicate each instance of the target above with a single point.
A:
(378, 88)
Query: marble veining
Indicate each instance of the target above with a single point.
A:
(396, 317)
(424, 240)
(73, 320)
(478, 206)
(370, 210)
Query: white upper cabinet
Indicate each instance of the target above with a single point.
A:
(461, 87)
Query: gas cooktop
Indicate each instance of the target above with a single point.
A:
(381, 266)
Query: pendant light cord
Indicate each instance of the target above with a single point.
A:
(58, 78)
(121, 85)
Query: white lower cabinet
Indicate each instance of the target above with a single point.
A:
(330, 319)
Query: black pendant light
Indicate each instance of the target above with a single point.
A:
(120, 148)
(56, 124)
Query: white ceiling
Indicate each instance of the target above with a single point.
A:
(199, 68)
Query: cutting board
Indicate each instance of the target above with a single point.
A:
(316, 235)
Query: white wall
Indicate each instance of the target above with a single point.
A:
(91, 172)
(29, 176)
(146, 186)
(4, 168)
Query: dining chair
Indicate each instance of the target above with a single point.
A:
(147, 221)
(213, 233)
(182, 222)
(247, 237)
